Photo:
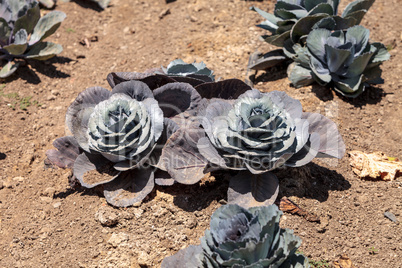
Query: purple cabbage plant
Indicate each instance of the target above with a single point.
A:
(240, 237)
(345, 60)
(257, 133)
(22, 31)
(119, 137)
(176, 71)
(293, 20)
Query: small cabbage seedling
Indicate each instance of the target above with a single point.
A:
(345, 60)
(176, 71)
(240, 237)
(293, 20)
(22, 32)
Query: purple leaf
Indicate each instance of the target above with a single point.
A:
(176, 98)
(189, 257)
(307, 153)
(66, 152)
(181, 158)
(101, 170)
(331, 142)
(226, 89)
(248, 190)
(135, 89)
(129, 187)
(162, 178)
(80, 110)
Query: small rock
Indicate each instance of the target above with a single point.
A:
(57, 204)
(138, 212)
(193, 19)
(55, 92)
(51, 97)
(197, 8)
(126, 29)
(49, 192)
(46, 199)
(9, 183)
(143, 259)
(164, 13)
(107, 216)
(126, 215)
(117, 239)
(192, 223)
(390, 98)
(324, 221)
(19, 179)
(391, 216)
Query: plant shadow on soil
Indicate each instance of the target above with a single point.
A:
(89, 5)
(274, 73)
(200, 195)
(28, 73)
(371, 95)
(310, 181)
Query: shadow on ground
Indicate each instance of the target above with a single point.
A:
(200, 195)
(310, 181)
(371, 95)
(274, 73)
(89, 4)
(27, 70)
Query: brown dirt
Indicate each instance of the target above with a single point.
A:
(44, 223)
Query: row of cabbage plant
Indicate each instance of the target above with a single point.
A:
(176, 124)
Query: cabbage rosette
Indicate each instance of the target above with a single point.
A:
(23, 31)
(122, 135)
(345, 60)
(259, 132)
(240, 237)
(293, 20)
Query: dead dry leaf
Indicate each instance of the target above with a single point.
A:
(375, 165)
(289, 206)
(344, 262)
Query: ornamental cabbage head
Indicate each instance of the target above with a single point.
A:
(114, 132)
(124, 140)
(259, 132)
(345, 60)
(292, 21)
(22, 31)
(243, 238)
